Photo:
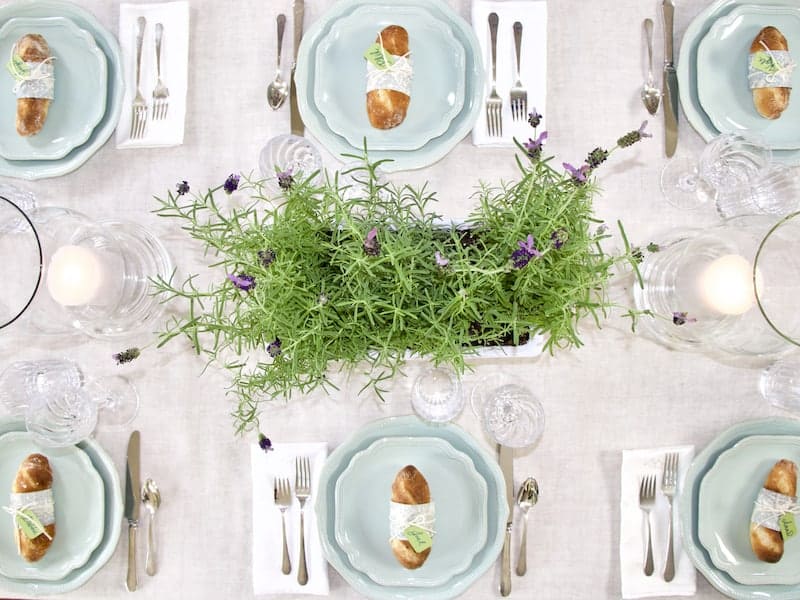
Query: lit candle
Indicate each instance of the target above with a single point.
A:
(74, 276)
(726, 285)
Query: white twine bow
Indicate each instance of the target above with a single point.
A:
(770, 506)
(396, 75)
(783, 71)
(19, 512)
(402, 516)
(36, 73)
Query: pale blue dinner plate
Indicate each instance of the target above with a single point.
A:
(433, 150)
(37, 169)
(79, 508)
(727, 494)
(112, 522)
(687, 70)
(722, 86)
(411, 426)
(689, 514)
(80, 90)
(458, 492)
(437, 87)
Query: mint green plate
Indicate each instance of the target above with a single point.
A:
(80, 90)
(687, 69)
(727, 494)
(397, 160)
(437, 88)
(37, 169)
(689, 497)
(458, 492)
(722, 86)
(79, 506)
(112, 521)
(404, 427)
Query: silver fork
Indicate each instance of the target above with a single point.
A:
(160, 92)
(494, 105)
(139, 117)
(518, 94)
(302, 489)
(283, 500)
(647, 501)
(669, 482)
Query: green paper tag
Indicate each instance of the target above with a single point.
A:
(29, 524)
(17, 67)
(788, 526)
(764, 62)
(379, 57)
(418, 538)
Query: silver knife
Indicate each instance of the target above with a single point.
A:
(506, 461)
(133, 497)
(294, 110)
(670, 82)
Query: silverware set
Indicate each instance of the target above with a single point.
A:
(518, 94)
(647, 502)
(160, 97)
(283, 500)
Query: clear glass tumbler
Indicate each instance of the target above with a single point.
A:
(24, 380)
(288, 153)
(436, 395)
(779, 383)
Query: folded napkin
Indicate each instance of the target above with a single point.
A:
(174, 16)
(267, 553)
(533, 65)
(632, 534)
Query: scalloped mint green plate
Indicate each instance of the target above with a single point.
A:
(722, 74)
(79, 506)
(112, 522)
(433, 150)
(80, 90)
(689, 514)
(437, 87)
(687, 70)
(457, 490)
(38, 169)
(485, 464)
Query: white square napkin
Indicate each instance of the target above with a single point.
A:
(533, 16)
(632, 532)
(267, 576)
(174, 16)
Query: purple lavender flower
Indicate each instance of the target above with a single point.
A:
(559, 237)
(266, 257)
(534, 147)
(534, 118)
(274, 347)
(243, 282)
(231, 183)
(597, 157)
(285, 179)
(681, 318)
(372, 246)
(441, 260)
(264, 442)
(527, 250)
(629, 139)
(126, 356)
(578, 175)
(182, 188)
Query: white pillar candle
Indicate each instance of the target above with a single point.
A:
(726, 285)
(74, 276)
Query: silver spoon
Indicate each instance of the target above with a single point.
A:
(651, 95)
(528, 496)
(278, 89)
(151, 498)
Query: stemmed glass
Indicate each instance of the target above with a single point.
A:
(728, 164)
(510, 413)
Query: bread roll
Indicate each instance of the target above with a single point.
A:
(33, 475)
(32, 112)
(386, 108)
(767, 543)
(409, 487)
(770, 101)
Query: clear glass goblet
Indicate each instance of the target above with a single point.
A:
(510, 413)
(436, 395)
(290, 154)
(728, 163)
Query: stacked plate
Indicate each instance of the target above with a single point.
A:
(712, 72)
(88, 89)
(716, 503)
(88, 510)
(446, 88)
(352, 508)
